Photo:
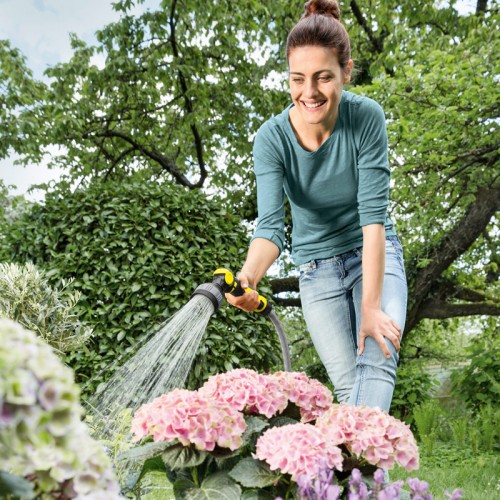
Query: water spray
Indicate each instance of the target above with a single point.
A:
(163, 360)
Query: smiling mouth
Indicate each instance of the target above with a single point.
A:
(313, 105)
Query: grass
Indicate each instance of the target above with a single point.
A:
(448, 468)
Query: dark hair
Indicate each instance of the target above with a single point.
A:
(320, 26)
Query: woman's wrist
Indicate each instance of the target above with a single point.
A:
(250, 276)
(370, 306)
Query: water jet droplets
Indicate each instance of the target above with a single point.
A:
(161, 364)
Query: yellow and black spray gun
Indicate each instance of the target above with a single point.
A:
(225, 282)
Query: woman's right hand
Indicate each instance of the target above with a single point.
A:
(249, 301)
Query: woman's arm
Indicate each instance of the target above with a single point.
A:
(261, 255)
(374, 322)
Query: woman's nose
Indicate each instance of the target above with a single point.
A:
(310, 89)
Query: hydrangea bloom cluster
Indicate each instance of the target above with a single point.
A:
(269, 395)
(190, 417)
(296, 450)
(247, 391)
(310, 395)
(41, 434)
(379, 438)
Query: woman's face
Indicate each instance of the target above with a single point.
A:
(316, 83)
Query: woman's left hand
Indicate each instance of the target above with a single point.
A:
(375, 323)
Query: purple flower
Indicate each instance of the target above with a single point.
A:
(304, 484)
(322, 487)
(418, 489)
(455, 495)
(379, 476)
(355, 477)
(357, 489)
(391, 491)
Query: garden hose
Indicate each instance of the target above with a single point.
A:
(226, 281)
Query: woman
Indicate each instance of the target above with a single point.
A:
(327, 151)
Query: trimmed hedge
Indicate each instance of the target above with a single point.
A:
(136, 251)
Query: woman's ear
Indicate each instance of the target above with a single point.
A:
(348, 71)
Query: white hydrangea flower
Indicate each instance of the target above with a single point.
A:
(41, 433)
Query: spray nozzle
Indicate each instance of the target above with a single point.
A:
(229, 284)
(211, 290)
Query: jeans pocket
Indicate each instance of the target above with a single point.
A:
(307, 271)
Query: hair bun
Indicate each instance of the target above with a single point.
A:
(322, 7)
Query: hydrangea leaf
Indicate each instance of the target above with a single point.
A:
(218, 486)
(179, 456)
(252, 473)
(146, 451)
(254, 425)
(257, 495)
(11, 485)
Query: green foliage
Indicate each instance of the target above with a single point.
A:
(477, 384)
(27, 297)
(179, 90)
(136, 251)
(460, 451)
(486, 429)
(426, 417)
(414, 386)
(12, 486)
(19, 95)
(183, 90)
(442, 110)
(433, 341)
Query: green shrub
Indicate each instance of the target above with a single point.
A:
(27, 297)
(414, 386)
(136, 251)
(478, 383)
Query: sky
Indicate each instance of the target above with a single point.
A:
(40, 29)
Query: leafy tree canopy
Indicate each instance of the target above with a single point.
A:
(183, 90)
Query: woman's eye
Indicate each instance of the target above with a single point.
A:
(324, 78)
(297, 80)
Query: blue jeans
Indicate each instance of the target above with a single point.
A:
(330, 291)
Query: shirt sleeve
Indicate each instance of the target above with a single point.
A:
(269, 172)
(373, 165)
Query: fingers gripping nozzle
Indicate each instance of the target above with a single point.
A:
(229, 284)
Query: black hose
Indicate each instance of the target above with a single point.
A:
(285, 351)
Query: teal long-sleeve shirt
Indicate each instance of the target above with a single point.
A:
(333, 191)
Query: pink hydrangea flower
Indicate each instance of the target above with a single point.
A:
(310, 395)
(248, 391)
(296, 450)
(376, 436)
(191, 418)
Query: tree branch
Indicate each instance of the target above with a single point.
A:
(188, 103)
(441, 310)
(376, 42)
(289, 284)
(166, 163)
(292, 302)
(465, 232)
(446, 290)
(481, 6)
